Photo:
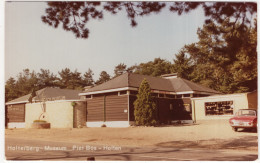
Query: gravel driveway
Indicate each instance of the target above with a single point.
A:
(213, 134)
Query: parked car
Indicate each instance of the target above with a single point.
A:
(244, 118)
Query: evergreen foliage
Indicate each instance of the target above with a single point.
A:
(182, 65)
(88, 78)
(104, 77)
(74, 16)
(29, 82)
(157, 67)
(120, 69)
(145, 106)
(224, 58)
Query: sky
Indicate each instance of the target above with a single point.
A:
(29, 43)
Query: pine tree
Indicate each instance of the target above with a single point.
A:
(157, 67)
(120, 69)
(182, 65)
(10, 89)
(46, 79)
(225, 57)
(103, 77)
(74, 16)
(88, 78)
(144, 106)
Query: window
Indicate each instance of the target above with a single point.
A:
(179, 96)
(202, 95)
(88, 96)
(246, 113)
(154, 94)
(219, 108)
(186, 95)
(170, 96)
(195, 95)
(161, 95)
(122, 93)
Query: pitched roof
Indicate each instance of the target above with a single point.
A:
(156, 83)
(183, 85)
(132, 80)
(49, 94)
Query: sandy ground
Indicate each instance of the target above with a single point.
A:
(214, 134)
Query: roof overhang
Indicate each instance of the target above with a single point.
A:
(109, 90)
(136, 89)
(19, 102)
(56, 101)
(197, 92)
(37, 101)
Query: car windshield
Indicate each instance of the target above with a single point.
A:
(246, 113)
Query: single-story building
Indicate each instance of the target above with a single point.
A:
(62, 108)
(111, 103)
(222, 106)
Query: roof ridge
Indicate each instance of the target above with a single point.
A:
(199, 85)
(178, 78)
(185, 81)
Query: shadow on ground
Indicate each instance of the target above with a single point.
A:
(243, 143)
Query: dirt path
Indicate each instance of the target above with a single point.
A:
(212, 135)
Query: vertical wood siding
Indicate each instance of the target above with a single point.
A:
(95, 109)
(16, 113)
(115, 108)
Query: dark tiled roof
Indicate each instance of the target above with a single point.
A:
(50, 94)
(118, 82)
(133, 80)
(156, 83)
(183, 85)
(20, 99)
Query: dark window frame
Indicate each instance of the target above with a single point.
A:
(90, 97)
(170, 96)
(122, 93)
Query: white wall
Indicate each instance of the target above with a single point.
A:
(59, 114)
(198, 105)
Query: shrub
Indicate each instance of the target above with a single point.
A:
(145, 106)
(73, 103)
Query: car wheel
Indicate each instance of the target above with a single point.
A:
(234, 128)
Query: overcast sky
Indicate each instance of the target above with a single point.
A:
(29, 43)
